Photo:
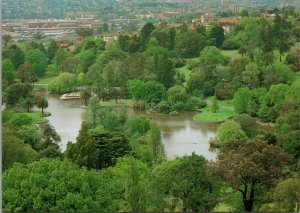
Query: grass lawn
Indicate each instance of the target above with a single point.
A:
(222, 207)
(37, 117)
(220, 116)
(121, 102)
(226, 103)
(229, 52)
(43, 81)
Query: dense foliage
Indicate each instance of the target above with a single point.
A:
(249, 75)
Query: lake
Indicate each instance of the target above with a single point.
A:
(180, 134)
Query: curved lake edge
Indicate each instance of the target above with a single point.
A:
(180, 134)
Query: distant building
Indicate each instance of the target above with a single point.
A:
(7, 28)
(228, 23)
(207, 17)
(78, 39)
(234, 8)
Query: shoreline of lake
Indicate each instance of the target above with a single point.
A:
(180, 134)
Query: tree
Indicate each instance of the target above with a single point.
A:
(123, 42)
(14, 150)
(86, 59)
(105, 27)
(15, 92)
(60, 56)
(145, 33)
(217, 33)
(190, 43)
(49, 135)
(177, 94)
(172, 35)
(155, 143)
(294, 57)
(32, 136)
(55, 186)
(28, 103)
(244, 13)
(210, 57)
(136, 88)
(215, 105)
(281, 34)
(154, 92)
(109, 120)
(8, 71)
(85, 96)
(251, 75)
(135, 190)
(278, 94)
(137, 125)
(286, 195)
(98, 150)
(246, 122)
(242, 100)
(93, 110)
(52, 49)
(20, 119)
(63, 83)
(161, 34)
(42, 103)
(111, 74)
(229, 131)
(17, 56)
(288, 133)
(194, 186)
(266, 36)
(246, 164)
(38, 60)
(26, 73)
(165, 73)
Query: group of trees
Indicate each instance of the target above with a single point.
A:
(118, 163)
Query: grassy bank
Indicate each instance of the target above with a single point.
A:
(121, 102)
(44, 81)
(220, 116)
(37, 117)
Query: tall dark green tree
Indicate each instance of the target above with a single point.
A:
(51, 51)
(217, 32)
(166, 71)
(281, 34)
(17, 56)
(172, 35)
(266, 36)
(8, 71)
(145, 33)
(98, 150)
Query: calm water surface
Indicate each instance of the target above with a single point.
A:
(66, 117)
(180, 134)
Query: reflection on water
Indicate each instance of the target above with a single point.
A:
(180, 134)
(66, 117)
